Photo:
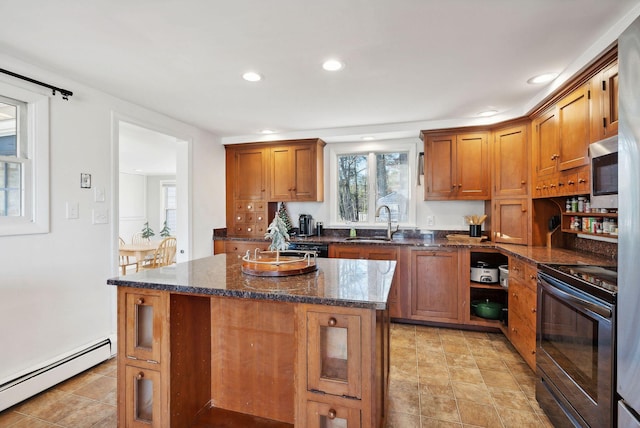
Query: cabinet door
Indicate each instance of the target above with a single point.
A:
(546, 145)
(472, 166)
(323, 415)
(511, 219)
(142, 398)
(305, 186)
(573, 129)
(435, 290)
(334, 354)
(240, 248)
(511, 162)
(143, 318)
(346, 251)
(610, 100)
(249, 173)
(281, 174)
(440, 155)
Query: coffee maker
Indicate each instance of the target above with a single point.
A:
(305, 225)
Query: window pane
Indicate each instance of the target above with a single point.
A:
(10, 189)
(392, 185)
(8, 132)
(353, 189)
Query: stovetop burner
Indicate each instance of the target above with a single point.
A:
(600, 281)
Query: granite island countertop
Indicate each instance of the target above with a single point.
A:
(336, 282)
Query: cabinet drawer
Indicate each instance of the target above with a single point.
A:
(516, 268)
(144, 327)
(531, 277)
(320, 415)
(142, 398)
(523, 339)
(522, 304)
(334, 363)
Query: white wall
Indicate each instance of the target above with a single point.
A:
(132, 204)
(53, 291)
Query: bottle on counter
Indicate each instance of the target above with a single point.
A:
(574, 205)
(581, 204)
(568, 205)
(587, 206)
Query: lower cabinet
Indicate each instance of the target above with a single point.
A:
(240, 247)
(343, 359)
(511, 221)
(143, 392)
(523, 309)
(435, 287)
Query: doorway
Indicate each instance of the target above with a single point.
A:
(152, 185)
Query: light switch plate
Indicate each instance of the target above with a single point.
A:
(99, 194)
(73, 211)
(100, 216)
(431, 220)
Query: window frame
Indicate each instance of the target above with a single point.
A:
(35, 161)
(370, 149)
(163, 204)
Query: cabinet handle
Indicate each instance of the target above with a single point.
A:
(552, 186)
(571, 182)
(139, 376)
(333, 322)
(140, 301)
(581, 180)
(332, 414)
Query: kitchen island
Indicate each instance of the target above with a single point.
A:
(203, 344)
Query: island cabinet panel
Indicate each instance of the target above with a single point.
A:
(143, 358)
(257, 378)
(343, 366)
(435, 286)
(457, 166)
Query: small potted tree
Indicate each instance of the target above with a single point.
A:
(147, 232)
(166, 231)
(279, 235)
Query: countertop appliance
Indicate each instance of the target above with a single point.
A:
(482, 272)
(628, 345)
(575, 349)
(305, 225)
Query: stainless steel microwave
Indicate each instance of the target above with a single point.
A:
(604, 173)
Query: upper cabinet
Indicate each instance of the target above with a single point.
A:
(511, 162)
(296, 172)
(456, 166)
(573, 129)
(247, 172)
(604, 103)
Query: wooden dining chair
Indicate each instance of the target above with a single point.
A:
(138, 239)
(126, 261)
(165, 254)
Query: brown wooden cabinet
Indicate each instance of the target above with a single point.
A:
(435, 286)
(456, 166)
(510, 222)
(143, 354)
(240, 248)
(574, 129)
(339, 383)
(604, 103)
(296, 172)
(511, 162)
(523, 308)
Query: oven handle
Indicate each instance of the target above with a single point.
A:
(598, 309)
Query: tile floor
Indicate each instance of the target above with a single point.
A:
(439, 378)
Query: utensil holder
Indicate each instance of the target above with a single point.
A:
(475, 230)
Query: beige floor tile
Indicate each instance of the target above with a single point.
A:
(30, 422)
(41, 403)
(518, 418)
(78, 381)
(436, 423)
(515, 400)
(490, 363)
(402, 420)
(443, 389)
(405, 401)
(482, 415)
(99, 389)
(499, 379)
(10, 417)
(88, 415)
(461, 360)
(464, 374)
(443, 408)
(456, 348)
(473, 392)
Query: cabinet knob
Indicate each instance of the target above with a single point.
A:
(459, 185)
(333, 322)
(140, 301)
(533, 352)
(581, 180)
(571, 182)
(514, 294)
(249, 229)
(560, 184)
(532, 277)
(552, 186)
(139, 376)
(534, 310)
(523, 182)
(332, 414)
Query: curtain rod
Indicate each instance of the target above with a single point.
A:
(64, 92)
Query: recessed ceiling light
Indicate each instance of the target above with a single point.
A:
(488, 113)
(332, 65)
(252, 76)
(367, 138)
(267, 131)
(542, 78)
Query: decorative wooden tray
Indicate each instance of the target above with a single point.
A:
(466, 238)
(268, 264)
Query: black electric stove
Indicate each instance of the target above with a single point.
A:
(598, 281)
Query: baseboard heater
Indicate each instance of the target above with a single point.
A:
(36, 381)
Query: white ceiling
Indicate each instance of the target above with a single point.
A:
(410, 64)
(146, 152)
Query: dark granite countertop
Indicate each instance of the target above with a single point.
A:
(337, 282)
(527, 253)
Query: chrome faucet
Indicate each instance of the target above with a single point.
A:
(389, 232)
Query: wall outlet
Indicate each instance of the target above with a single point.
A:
(99, 194)
(431, 220)
(73, 212)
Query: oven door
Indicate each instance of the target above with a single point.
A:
(575, 349)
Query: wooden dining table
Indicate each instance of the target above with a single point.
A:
(140, 251)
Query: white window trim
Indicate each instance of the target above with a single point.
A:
(391, 146)
(163, 201)
(36, 184)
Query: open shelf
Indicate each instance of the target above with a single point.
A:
(491, 286)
